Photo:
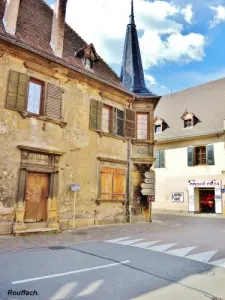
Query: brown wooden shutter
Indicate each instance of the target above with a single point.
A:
(119, 184)
(130, 123)
(53, 102)
(96, 115)
(106, 183)
(17, 91)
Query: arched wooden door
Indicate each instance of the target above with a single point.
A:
(37, 190)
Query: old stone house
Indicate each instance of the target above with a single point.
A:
(189, 150)
(67, 122)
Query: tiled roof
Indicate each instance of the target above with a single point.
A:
(132, 75)
(34, 26)
(206, 102)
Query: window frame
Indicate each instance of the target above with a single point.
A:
(110, 121)
(91, 63)
(157, 126)
(196, 154)
(42, 96)
(116, 129)
(186, 122)
(148, 125)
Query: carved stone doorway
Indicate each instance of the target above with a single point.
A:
(36, 197)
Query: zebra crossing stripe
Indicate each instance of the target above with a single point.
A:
(218, 263)
(161, 248)
(181, 252)
(130, 242)
(202, 257)
(118, 240)
(145, 244)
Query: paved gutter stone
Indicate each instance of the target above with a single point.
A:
(94, 233)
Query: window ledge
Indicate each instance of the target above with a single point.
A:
(112, 136)
(25, 115)
(98, 201)
(142, 142)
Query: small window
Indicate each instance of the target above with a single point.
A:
(120, 122)
(88, 63)
(160, 159)
(188, 123)
(142, 126)
(200, 155)
(158, 128)
(35, 96)
(107, 118)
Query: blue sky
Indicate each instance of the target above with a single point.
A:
(182, 42)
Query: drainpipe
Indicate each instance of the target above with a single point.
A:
(129, 179)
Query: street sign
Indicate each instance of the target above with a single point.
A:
(75, 187)
(150, 180)
(151, 198)
(148, 186)
(146, 192)
(177, 197)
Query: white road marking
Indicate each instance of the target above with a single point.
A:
(64, 291)
(91, 288)
(129, 242)
(181, 252)
(118, 240)
(218, 263)
(71, 272)
(145, 245)
(161, 248)
(202, 257)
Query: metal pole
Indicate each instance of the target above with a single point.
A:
(74, 208)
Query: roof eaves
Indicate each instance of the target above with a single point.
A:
(63, 63)
(189, 137)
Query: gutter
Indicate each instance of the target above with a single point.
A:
(189, 137)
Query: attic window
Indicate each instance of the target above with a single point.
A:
(159, 125)
(189, 119)
(88, 63)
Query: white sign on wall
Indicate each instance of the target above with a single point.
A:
(205, 184)
(177, 197)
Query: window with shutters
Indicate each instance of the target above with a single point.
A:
(107, 118)
(119, 122)
(142, 126)
(160, 159)
(31, 96)
(112, 184)
(35, 96)
(203, 155)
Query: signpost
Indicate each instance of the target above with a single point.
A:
(74, 188)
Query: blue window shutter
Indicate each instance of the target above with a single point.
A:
(162, 159)
(157, 159)
(210, 155)
(190, 156)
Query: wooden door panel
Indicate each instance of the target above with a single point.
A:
(119, 184)
(36, 197)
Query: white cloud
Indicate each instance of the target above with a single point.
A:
(150, 79)
(103, 22)
(188, 13)
(219, 15)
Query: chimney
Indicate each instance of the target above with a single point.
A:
(58, 27)
(11, 15)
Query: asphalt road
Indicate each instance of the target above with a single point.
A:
(183, 262)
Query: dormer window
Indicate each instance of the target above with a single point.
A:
(88, 63)
(88, 56)
(189, 119)
(159, 125)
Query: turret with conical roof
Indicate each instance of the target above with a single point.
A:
(132, 75)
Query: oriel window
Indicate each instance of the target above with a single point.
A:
(142, 126)
(35, 96)
(107, 118)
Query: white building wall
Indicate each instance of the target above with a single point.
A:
(176, 174)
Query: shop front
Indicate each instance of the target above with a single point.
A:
(205, 196)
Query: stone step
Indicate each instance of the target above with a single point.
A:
(36, 225)
(36, 231)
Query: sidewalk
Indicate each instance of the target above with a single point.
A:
(94, 233)
(187, 214)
